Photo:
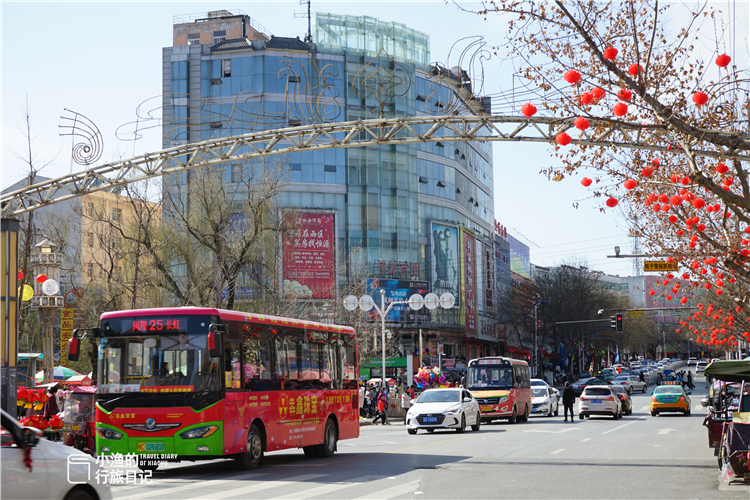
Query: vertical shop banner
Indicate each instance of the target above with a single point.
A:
(469, 281)
(66, 333)
(310, 256)
(489, 282)
(481, 276)
(445, 260)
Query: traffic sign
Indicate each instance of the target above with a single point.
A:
(634, 314)
(607, 332)
(659, 265)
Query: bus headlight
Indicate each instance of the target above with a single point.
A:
(199, 432)
(108, 433)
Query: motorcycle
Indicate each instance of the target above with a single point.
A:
(79, 415)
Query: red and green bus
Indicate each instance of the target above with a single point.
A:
(502, 387)
(194, 383)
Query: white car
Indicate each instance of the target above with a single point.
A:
(701, 366)
(55, 471)
(630, 382)
(445, 408)
(539, 382)
(599, 400)
(692, 361)
(544, 401)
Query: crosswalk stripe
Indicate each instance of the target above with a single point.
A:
(392, 492)
(190, 486)
(325, 489)
(259, 486)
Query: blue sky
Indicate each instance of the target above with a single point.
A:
(102, 59)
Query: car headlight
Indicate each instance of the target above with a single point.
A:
(108, 433)
(453, 411)
(502, 399)
(199, 432)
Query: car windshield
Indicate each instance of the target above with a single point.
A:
(597, 391)
(668, 390)
(619, 388)
(439, 397)
(538, 392)
(538, 382)
(621, 379)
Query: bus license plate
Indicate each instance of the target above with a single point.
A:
(485, 408)
(150, 446)
(597, 401)
(430, 420)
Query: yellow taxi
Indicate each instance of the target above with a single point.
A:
(670, 398)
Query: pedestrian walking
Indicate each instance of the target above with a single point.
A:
(361, 400)
(405, 404)
(381, 411)
(690, 380)
(569, 399)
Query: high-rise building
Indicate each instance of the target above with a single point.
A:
(417, 217)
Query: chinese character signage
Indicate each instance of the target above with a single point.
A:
(399, 290)
(469, 281)
(66, 333)
(444, 260)
(659, 265)
(489, 282)
(391, 269)
(487, 329)
(310, 257)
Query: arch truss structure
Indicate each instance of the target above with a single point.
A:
(375, 132)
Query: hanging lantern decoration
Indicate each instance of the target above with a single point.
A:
(586, 182)
(20, 275)
(581, 123)
(587, 98)
(563, 139)
(572, 76)
(634, 69)
(700, 98)
(528, 110)
(722, 169)
(612, 202)
(672, 219)
(723, 61)
(647, 172)
(610, 53)
(652, 293)
(629, 184)
(624, 95)
(620, 109)
(41, 278)
(676, 200)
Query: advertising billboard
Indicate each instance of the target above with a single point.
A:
(399, 290)
(445, 261)
(469, 282)
(309, 252)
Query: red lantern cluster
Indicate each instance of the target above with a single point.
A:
(528, 110)
(572, 76)
(700, 98)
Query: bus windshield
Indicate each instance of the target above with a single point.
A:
(490, 377)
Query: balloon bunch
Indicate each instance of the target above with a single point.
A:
(428, 377)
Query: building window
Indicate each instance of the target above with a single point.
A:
(226, 67)
(90, 271)
(329, 168)
(220, 36)
(215, 81)
(296, 166)
(89, 209)
(115, 244)
(90, 237)
(422, 179)
(117, 214)
(194, 38)
(236, 173)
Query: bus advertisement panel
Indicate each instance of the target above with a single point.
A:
(502, 387)
(199, 383)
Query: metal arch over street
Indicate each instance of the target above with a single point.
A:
(375, 132)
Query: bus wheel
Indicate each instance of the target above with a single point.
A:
(328, 447)
(253, 454)
(513, 417)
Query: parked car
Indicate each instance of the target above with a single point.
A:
(544, 401)
(670, 398)
(583, 383)
(608, 373)
(445, 408)
(54, 470)
(630, 382)
(692, 361)
(599, 400)
(701, 366)
(627, 403)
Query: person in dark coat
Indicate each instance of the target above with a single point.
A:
(690, 379)
(569, 399)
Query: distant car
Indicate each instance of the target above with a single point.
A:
(701, 366)
(599, 400)
(544, 401)
(627, 403)
(669, 398)
(692, 361)
(630, 382)
(608, 373)
(635, 365)
(539, 382)
(445, 408)
(583, 383)
(54, 470)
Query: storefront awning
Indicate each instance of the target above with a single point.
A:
(518, 350)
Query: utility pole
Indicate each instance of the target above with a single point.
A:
(46, 264)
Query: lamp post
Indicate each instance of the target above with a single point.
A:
(536, 358)
(416, 302)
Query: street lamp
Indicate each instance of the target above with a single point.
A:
(536, 324)
(416, 302)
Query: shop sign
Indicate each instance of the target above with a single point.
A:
(487, 329)
(309, 256)
(393, 269)
(469, 282)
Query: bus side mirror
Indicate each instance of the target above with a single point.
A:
(213, 342)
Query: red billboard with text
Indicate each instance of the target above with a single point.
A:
(310, 256)
(468, 252)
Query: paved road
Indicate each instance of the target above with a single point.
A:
(638, 456)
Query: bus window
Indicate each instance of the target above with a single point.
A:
(309, 366)
(232, 368)
(257, 362)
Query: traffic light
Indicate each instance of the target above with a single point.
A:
(618, 320)
(613, 322)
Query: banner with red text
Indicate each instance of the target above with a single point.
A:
(310, 256)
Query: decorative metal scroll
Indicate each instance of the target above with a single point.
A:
(90, 150)
(381, 84)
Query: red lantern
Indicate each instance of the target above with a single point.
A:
(651, 293)
(586, 182)
(721, 168)
(728, 181)
(528, 110)
(624, 95)
(581, 123)
(572, 76)
(610, 53)
(620, 109)
(629, 184)
(700, 98)
(719, 292)
(563, 139)
(676, 200)
(647, 172)
(723, 61)
(41, 278)
(598, 93)
(612, 202)
(587, 98)
(20, 275)
(634, 69)
(683, 300)
(672, 219)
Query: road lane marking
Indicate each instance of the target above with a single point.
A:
(327, 489)
(646, 408)
(665, 431)
(554, 432)
(584, 440)
(199, 484)
(259, 486)
(618, 428)
(558, 451)
(393, 491)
